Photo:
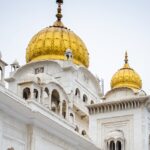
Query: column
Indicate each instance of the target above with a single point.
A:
(41, 95)
(60, 105)
(49, 98)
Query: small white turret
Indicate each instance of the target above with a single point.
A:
(2, 70)
(68, 54)
(15, 65)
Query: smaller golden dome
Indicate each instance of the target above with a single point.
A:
(126, 77)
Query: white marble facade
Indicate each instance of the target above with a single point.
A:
(123, 121)
(44, 107)
(29, 120)
(53, 104)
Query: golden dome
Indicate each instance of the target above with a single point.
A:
(52, 42)
(126, 77)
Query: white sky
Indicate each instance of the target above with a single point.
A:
(108, 28)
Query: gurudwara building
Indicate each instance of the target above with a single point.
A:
(54, 102)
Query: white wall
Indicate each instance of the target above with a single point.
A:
(131, 122)
(13, 133)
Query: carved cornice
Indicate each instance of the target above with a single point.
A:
(125, 104)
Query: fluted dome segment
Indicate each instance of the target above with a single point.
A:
(52, 42)
(126, 77)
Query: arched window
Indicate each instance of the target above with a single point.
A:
(55, 99)
(77, 129)
(77, 93)
(112, 145)
(36, 94)
(26, 93)
(83, 132)
(1, 73)
(64, 107)
(85, 99)
(118, 145)
(92, 102)
(115, 140)
(71, 117)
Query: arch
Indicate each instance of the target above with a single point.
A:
(118, 145)
(85, 99)
(23, 68)
(115, 140)
(112, 145)
(36, 93)
(83, 132)
(77, 129)
(71, 117)
(77, 92)
(92, 102)
(55, 100)
(64, 109)
(26, 93)
(54, 85)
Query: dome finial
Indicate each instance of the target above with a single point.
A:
(126, 58)
(126, 65)
(59, 15)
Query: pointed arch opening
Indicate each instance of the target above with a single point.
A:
(77, 129)
(77, 93)
(92, 102)
(71, 117)
(55, 100)
(83, 132)
(36, 93)
(112, 145)
(26, 93)
(118, 145)
(85, 99)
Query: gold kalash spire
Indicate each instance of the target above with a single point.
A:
(59, 15)
(126, 77)
(52, 42)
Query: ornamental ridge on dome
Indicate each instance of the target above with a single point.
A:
(52, 42)
(126, 77)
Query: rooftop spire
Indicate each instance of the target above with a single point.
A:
(59, 15)
(126, 58)
(126, 65)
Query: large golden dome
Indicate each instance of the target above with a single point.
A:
(126, 77)
(52, 42)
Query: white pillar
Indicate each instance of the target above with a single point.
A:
(50, 101)
(60, 105)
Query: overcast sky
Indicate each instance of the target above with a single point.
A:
(108, 28)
